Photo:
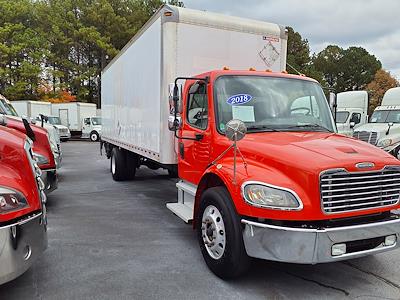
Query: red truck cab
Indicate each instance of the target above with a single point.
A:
(41, 144)
(23, 233)
(289, 189)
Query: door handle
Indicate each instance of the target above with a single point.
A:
(198, 136)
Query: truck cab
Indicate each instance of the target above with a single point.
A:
(62, 130)
(290, 188)
(383, 129)
(45, 152)
(23, 231)
(352, 111)
(91, 128)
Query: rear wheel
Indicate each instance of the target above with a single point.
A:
(220, 234)
(118, 164)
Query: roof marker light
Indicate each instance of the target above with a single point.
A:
(225, 68)
(252, 69)
(268, 70)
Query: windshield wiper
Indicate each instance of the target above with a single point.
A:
(317, 127)
(261, 128)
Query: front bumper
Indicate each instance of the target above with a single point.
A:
(313, 246)
(50, 180)
(21, 244)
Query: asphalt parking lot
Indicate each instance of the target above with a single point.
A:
(112, 240)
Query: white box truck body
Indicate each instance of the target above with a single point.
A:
(73, 113)
(352, 111)
(32, 109)
(383, 129)
(177, 42)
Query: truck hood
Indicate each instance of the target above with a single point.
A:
(380, 128)
(312, 152)
(60, 126)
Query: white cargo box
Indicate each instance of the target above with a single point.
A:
(352, 99)
(177, 42)
(32, 109)
(73, 113)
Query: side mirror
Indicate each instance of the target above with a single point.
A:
(175, 94)
(352, 124)
(332, 102)
(389, 126)
(235, 130)
(174, 124)
(3, 120)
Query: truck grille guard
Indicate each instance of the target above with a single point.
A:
(366, 136)
(342, 191)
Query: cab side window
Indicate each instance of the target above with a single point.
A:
(86, 121)
(197, 112)
(356, 118)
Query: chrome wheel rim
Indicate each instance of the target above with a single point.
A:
(213, 232)
(93, 137)
(112, 164)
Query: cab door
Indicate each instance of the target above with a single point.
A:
(86, 127)
(194, 144)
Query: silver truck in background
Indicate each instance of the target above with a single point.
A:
(352, 111)
(383, 129)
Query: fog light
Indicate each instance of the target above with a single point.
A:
(390, 240)
(338, 249)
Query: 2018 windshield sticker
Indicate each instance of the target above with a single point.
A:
(239, 99)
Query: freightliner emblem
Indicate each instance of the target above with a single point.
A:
(365, 165)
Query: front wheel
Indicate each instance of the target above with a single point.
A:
(220, 234)
(94, 136)
(396, 152)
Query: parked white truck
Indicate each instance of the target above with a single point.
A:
(36, 109)
(262, 172)
(352, 111)
(383, 129)
(81, 118)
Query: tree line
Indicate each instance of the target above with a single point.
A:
(340, 69)
(55, 50)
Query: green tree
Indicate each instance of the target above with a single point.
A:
(346, 69)
(22, 50)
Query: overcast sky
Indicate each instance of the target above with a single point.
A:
(372, 24)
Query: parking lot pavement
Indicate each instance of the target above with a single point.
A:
(117, 240)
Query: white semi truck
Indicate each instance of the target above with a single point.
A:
(352, 111)
(383, 129)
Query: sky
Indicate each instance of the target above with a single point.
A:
(371, 24)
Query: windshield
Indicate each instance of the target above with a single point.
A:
(385, 116)
(341, 116)
(6, 108)
(54, 120)
(96, 121)
(272, 103)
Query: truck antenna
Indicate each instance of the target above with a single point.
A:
(294, 69)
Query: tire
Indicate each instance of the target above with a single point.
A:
(173, 173)
(94, 136)
(118, 165)
(132, 163)
(219, 234)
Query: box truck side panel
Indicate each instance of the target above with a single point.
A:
(37, 108)
(214, 48)
(21, 107)
(85, 110)
(131, 95)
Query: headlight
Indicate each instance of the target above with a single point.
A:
(40, 159)
(266, 196)
(384, 143)
(11, 200)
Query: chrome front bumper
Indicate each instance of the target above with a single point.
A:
(50, 180)
(313, 246)
(20, 245)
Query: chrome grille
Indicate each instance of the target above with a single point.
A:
(366, 136)
(342, 191)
